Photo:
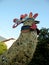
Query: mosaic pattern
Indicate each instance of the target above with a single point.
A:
(22, 50)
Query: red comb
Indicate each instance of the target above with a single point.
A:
(30, 12)
(30, 15)
(35, 15)
(14, 26)
(14, 20)
(25, 15)
(22, 16)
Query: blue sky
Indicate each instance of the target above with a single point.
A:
(10, 9)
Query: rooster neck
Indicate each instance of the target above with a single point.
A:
(28, 36)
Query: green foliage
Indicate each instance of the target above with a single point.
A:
(41, 55)
(3, 47)
(44, 36)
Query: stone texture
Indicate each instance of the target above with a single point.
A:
(22, 50)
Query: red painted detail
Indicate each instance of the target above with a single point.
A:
(35, 15)
(34, 26)
(15, 25)
(14, 20)
(30, 15)
(23, 16)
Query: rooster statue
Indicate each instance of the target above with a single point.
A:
(22, 50)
